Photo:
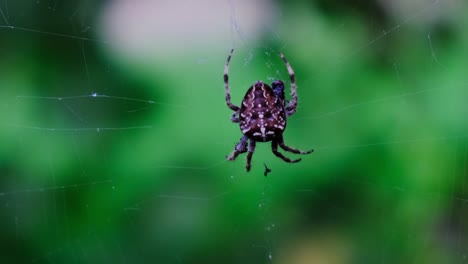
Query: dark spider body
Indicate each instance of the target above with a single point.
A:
(262, 115)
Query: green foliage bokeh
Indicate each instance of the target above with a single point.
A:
(105, 159)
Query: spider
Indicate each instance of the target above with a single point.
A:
(262, 115)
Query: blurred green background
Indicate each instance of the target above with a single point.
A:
(114, 132)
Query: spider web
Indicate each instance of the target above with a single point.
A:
(115, 132)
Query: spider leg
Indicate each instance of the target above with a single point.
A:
(249, 155)
(240, 148)
(289, 112)
(235, 117)
(226, 84)
(292, 105)
(290, 149)
(274, 148)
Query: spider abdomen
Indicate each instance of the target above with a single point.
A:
(262, 115)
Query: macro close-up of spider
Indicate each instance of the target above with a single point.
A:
(262, 115)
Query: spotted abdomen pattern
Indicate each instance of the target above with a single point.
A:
(262, 113)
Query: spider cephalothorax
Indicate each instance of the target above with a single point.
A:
(262, 115)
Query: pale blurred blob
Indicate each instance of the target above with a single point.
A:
(422, 12)
(144, 29)
(328, 247)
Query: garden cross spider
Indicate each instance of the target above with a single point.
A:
(262, 115)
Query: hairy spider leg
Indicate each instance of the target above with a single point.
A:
(235, 117)
(240, 147)
(290, 149)
(274, 149)
(226, 84)
(249, 155)
(292, 105)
